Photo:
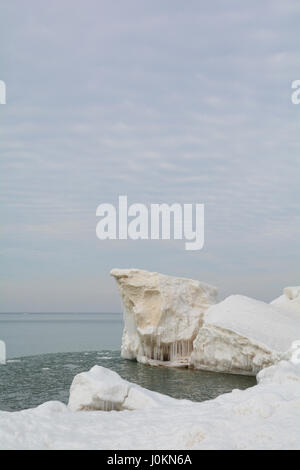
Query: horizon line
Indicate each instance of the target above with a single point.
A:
(58, 313)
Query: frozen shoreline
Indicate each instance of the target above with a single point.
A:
(178, 322)
(175, 321)
(266, 416)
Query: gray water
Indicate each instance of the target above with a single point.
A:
(45, 352)
(27, 334)
(30, 381)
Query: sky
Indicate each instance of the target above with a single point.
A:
(169, 101)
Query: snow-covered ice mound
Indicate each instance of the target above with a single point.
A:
(266, 416)
(172, 321)
(289, 301)
(162, 315)
(104, 389)
(243, 335)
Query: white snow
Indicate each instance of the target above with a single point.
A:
(289, 302)
(243, 335)
(266, 416)
(2, 352)
(104, 389)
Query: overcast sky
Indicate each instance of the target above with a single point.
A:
(164, 101)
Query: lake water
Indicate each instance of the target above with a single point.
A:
(45, 352)
(29, 334)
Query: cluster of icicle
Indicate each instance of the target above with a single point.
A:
(104, 405)
(171, 352)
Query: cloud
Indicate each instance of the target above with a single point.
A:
(163, 103)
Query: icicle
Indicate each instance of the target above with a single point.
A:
(107, 405)
(153, 348)
(180, 349)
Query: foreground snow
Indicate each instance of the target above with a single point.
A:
(266, 416)
(103, 389)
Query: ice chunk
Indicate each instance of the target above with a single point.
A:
(103, 389)
(243, 335)
(162, 315)
(98, 389)
(2, 352)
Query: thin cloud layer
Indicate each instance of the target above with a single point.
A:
(165, 103)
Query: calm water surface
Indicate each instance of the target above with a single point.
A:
(39, 333)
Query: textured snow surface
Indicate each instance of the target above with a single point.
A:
(255, 320)
(243, 335)
(266, 416)
(162, 315)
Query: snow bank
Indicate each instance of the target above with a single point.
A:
(266, 416)
(103, 389)
(289, 301)
(243, 335)
(162, 315)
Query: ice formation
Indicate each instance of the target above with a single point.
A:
(266, 416)
(2, 352)
(289, 301)
(103, 389)
(242, 335)
(173, 321)
(162, 315)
